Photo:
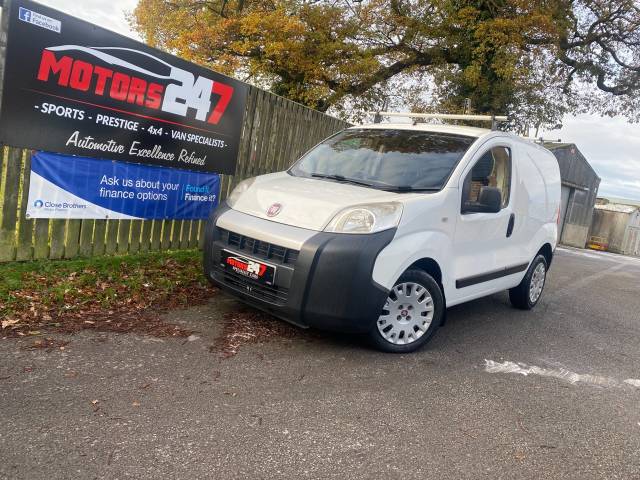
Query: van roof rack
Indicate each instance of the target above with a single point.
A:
(494, 119)
(541, 140)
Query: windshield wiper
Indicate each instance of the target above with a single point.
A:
(384, 187)
(407, 188)
(340, 178)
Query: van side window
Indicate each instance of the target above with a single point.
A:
(493, 169)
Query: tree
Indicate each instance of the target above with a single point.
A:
(532, 59)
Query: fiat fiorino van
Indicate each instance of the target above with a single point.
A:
(380, 228)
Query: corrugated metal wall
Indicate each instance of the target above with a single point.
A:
(610, 226)
(583, 182)
(631, 242)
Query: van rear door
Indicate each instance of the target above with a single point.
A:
(532, 205)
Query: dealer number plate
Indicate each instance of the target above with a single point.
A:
(248, 267)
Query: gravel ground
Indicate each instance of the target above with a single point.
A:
(498, 393)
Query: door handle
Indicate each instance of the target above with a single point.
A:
(512, 222)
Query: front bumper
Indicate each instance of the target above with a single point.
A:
(327, 284)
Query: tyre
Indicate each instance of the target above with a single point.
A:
(411, 314)
(526, 295)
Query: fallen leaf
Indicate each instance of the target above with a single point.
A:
(106, 301)
(8, 323)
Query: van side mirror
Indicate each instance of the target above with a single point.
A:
(489, 201)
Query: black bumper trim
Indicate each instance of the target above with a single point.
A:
(330, 286)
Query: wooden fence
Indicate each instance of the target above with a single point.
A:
(275, 133)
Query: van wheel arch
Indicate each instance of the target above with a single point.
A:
(547, 252)
(430, 266)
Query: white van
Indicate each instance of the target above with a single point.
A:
(380, 228)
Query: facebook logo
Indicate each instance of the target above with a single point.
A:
(25, 15)
(39, 20)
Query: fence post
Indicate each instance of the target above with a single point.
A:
(86, 238)
(41, 239)
(24, 249)
(10, 205)
(72, 240)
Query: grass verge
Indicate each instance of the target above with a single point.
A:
(123, 294)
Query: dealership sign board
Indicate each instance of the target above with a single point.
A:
(72, 87)
(64, 186)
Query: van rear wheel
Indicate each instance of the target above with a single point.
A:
(526, 295)
(411, 314)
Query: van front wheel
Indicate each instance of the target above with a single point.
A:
(411, 314)
(526, 295)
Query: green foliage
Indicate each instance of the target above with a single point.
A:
(87, 286)
(533, 59)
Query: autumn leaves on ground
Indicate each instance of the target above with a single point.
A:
(125, 294)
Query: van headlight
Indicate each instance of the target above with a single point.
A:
(237, 192)
(366, 218)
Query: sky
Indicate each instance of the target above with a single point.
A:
(109, 14)
(611, 145)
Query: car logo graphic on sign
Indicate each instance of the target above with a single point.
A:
(274, 210)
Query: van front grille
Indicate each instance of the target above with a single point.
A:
(259, 248)
(268, 293)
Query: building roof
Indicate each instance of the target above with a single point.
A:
(574, 167)
(617, 207)
(556, 145)
(623, 201)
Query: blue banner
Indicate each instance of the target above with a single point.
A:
(63, 186)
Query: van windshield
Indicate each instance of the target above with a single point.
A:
(395, 160)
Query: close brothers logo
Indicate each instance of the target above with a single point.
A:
(38, 203)
(172, 89)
